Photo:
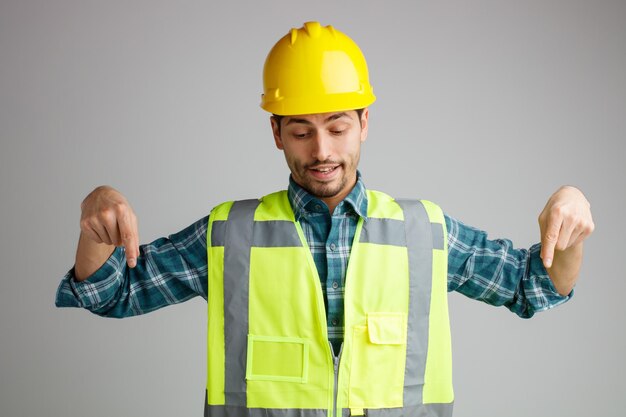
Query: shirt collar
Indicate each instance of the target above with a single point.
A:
(302, 202)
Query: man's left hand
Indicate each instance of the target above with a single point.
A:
(564, 223)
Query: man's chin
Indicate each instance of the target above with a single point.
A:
(325, 193)
(324, 190)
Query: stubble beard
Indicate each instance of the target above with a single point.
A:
(318, 188)
(325, 190)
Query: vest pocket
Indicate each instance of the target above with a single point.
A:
(274, 358)
(378, 361)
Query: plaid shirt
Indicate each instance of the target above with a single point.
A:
(174, 269)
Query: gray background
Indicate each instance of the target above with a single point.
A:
(485, 107)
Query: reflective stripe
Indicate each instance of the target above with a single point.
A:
(237, 243)
(267, 234)
(275, 233)
(391, 232)
(419, 244)
(218, 231)
(282, 233)
(383, 232)
(437, 229)
(421, 410)
(242, 411)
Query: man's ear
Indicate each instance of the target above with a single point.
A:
(276, 132)
(364, 123)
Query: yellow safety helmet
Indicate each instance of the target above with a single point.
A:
(315, 69)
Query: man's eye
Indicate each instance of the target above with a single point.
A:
(300, 135)
(337, 132)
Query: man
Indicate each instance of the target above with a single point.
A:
(328, 298)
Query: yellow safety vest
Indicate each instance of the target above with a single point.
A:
(268, 349)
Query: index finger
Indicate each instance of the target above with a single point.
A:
(130, 238)
(549, 238)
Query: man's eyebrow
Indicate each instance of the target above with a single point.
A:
(294, 120)
(330, 118)
(336, 116)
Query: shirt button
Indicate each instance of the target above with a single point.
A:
(335, 285)
(318, 207)
(333, 246)
(334, 322)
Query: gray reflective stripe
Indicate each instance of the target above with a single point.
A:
(419, 244)
(275, 233)
(383, 232)
(239, 411)
(437, 229)
(422, 410)
(217, 233)
(237, 243)
(268, 234)
(391, 232)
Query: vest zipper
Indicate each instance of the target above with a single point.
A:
(336, 360)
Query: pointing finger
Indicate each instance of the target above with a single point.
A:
(135, 242)
(129, 238)
(549, 238)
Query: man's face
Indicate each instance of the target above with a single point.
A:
(323, 150)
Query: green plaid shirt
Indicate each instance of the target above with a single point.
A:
(174, 269)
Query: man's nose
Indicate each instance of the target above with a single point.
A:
(322, 147)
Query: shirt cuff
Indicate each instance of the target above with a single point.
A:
(97, 288)
(540, 289)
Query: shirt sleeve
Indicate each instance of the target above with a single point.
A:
(169, 271)
(494, 272)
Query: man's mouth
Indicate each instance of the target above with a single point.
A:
(324, 171)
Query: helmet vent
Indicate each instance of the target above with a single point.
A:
(313, 29)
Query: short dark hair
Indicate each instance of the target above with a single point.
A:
(278, 118)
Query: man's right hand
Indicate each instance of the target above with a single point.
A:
(106, 221)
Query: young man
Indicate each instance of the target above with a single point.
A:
(326, 299)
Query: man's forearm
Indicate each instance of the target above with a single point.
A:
(90, 256)
(565, 268)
